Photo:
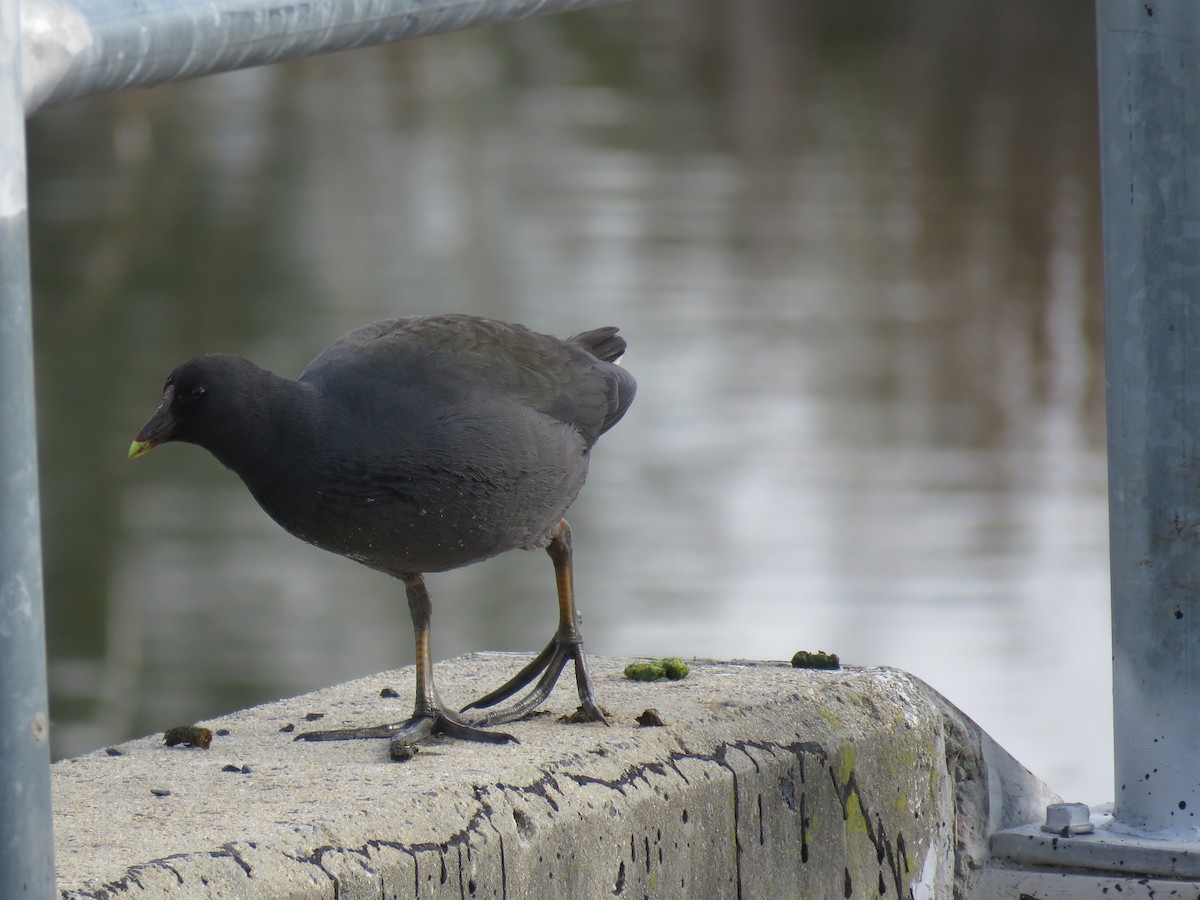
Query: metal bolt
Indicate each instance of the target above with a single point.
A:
(1068, 819)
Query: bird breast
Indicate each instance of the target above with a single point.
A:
(456, 492)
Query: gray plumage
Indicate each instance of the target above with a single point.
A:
(416, 444)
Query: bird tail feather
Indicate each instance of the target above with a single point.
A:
(603, 343)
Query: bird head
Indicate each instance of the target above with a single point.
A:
(203, 402)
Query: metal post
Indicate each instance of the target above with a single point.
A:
(1149, 63)
(72, 48)
(26, 828)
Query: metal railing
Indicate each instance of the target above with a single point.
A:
(72, 48)
(1149, 59)
(52, 51)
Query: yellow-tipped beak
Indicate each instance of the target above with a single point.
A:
(161, 426)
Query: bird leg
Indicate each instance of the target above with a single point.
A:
(430, 715)
(566, 645)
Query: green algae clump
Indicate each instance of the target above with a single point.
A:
(805, 659)
(670, 669)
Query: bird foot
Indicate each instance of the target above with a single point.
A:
(405, 736)
(548, 665)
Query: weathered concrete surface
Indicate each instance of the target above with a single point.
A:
(766, 781)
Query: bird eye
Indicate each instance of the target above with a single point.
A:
(197, 393)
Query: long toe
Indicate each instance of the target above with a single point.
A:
(589, 710)
(453, 726)
(410, 732)
(549, 665)
(358, 734)
(529, 672)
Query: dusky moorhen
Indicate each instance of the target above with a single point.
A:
(418, 445)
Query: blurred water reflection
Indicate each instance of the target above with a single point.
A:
(854, 250)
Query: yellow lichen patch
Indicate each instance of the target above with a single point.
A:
(846, 757)
(856, 823)
(829, 717)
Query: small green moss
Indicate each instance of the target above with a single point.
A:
(645, 671)
(673, 668)
(806, 659)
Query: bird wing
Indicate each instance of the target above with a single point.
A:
(452, 356)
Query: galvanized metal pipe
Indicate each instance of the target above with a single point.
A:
(26, 834)
(52, 51)
(76, 47)
(1149, 63)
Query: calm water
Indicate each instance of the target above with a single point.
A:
(855, 254)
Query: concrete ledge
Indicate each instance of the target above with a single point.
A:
(765, 781)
